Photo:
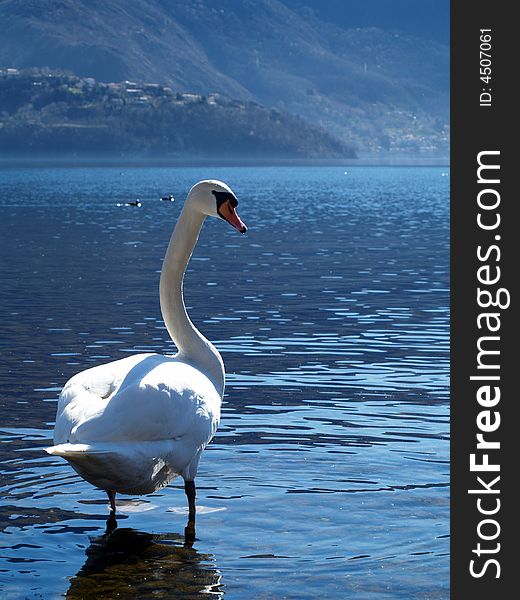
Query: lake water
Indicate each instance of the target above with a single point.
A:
(329, 475)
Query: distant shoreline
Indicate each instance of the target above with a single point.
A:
(177, 162)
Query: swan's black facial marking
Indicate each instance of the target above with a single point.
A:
(226, 204)
(222, 198)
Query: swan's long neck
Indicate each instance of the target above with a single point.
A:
(193, 347)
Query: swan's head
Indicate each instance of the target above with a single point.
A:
(215, 199)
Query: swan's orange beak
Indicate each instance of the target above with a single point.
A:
(228, 213)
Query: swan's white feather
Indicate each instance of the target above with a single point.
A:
(133, 424)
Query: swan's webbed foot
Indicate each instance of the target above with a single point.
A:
(189, 488)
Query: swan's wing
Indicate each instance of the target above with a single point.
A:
(157, 398)
(103, 380)
(88, 392)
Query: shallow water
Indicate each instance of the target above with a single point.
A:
(329, 474)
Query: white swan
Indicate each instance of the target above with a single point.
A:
(132, 425)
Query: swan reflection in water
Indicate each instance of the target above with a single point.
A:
(126, 563)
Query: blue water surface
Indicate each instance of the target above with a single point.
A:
(329, 475)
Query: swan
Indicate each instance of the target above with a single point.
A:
(130, 426)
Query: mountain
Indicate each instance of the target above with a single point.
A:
(428, 19)
(380, 89)
(48, 112)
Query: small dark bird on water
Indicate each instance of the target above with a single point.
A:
(132, 203)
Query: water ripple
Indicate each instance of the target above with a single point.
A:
(330, 468)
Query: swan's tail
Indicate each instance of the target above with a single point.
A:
(76, 451)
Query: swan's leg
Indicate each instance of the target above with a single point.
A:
(112, 499)
(189, 488)
(189, 533)
(111, 523)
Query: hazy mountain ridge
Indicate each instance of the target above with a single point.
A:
(52, 112)
(381, 90)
